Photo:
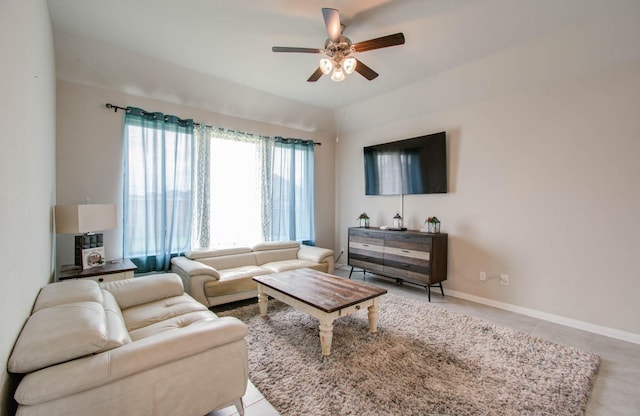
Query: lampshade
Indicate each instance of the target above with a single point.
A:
(349, 65)
(326, 65)
(337, 75)
(81, 219)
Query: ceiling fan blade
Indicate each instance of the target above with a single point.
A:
(365, 71)
(315, 76)
(377, 43)
(332, 22)
(294, 49)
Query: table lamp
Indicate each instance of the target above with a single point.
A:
(86, 220)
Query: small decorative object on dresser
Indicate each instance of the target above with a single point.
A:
(364, 220)
(397, 221)
(92, 257)
(432, 225)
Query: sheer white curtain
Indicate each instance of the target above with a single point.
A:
(201, 197)
(233, 176)
(259, 189)
(157, 188)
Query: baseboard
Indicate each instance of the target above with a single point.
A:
(557, 319)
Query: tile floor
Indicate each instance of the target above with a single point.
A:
(615, 392)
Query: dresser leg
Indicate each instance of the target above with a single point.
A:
(429, 292)
(350, 272)
(441, 289)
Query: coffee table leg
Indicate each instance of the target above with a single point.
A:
(326, 335)
(373, 316)
(262, 301)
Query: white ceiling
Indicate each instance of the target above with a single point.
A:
(174, 47)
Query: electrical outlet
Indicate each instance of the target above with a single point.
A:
(504, 279)
(483, 276)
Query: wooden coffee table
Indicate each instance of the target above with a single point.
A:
(321, 295)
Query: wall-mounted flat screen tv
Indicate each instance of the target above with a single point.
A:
(411, 166)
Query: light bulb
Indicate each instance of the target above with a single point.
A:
(337, 75)
(349, 65)
(326, 65)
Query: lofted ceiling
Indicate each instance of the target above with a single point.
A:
(171, 48)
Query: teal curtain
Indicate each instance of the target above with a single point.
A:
(292, 191)
(158, 180)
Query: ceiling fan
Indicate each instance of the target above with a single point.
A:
(338, 50)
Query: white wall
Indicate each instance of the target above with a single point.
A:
(89, 151)
(543, 186)
(27, 148)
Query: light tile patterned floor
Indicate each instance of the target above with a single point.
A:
(615, 392)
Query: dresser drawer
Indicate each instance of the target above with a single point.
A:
(366, 236)
(407, 263)
(403, 252)
(375, 265)
(407, 274)
(415, 242)
(112, 277)
(364, 247)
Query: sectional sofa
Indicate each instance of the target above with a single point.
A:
(129, 347)
(218, 276)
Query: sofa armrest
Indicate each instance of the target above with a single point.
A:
(145, 289)
(194, 275)
(318, 255)
(139, 356)
(194, 268)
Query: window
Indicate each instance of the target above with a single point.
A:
(187, 187)
(259, 189)
(235, 209)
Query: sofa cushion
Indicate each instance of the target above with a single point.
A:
(68, 291)
(229, 262)
(57, 334)
(140, 290)
(172, 324)
(270, 256)
(117, 334)
(274, 245)
(202, 253)
(284, 265)
(150, 313)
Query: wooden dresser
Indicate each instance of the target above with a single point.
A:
(407, 256)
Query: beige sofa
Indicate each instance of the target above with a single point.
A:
(130, 347)
(218, 276)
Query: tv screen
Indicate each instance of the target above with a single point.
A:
(410, 166)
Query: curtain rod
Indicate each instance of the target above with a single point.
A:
(117, 107)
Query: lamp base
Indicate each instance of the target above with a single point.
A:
(89, 240)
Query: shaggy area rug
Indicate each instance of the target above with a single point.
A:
(424, 360)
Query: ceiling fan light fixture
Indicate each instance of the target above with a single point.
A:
(326, 65)
(349, 65)
(336, 53)
(338, 74)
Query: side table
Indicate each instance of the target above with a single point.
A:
(112, 270)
